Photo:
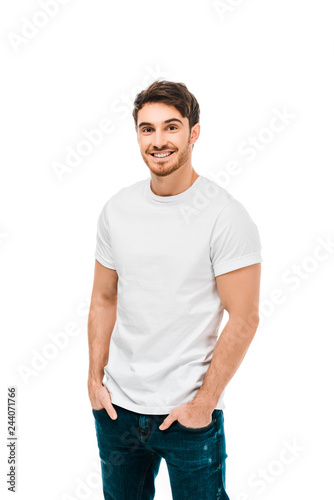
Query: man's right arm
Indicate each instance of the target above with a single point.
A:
(101, 322)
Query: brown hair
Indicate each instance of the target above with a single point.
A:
(170, 93)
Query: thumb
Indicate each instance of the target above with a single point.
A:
(167, 422)
(108, 405)
(111, 411)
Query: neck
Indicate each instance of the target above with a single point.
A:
(176, 183)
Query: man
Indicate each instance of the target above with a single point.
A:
(173, 252)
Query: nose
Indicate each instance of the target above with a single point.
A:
(159, 140)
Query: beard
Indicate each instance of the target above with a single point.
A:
(162, 170)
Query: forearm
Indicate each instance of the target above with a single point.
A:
(228, 354)
(101, 322)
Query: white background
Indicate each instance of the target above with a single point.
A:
(86, 64)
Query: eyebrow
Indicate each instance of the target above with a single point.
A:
(142, 124)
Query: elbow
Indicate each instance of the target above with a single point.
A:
(244, 326)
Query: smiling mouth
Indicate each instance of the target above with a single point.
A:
(162, 155)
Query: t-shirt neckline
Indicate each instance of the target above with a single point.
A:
(173, 198)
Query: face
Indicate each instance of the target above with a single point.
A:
(164, 138)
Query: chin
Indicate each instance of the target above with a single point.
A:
(163, 172)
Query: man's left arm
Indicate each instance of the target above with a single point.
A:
(239, 292)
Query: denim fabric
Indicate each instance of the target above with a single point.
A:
(132, 446)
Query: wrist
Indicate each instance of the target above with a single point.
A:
(204, 402)
(94, 383)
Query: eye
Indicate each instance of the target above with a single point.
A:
(173, 126)
(145, 129)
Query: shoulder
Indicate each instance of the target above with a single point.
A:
(227, 209)
(218, 197)
(124, 195)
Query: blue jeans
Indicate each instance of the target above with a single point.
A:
(132, 446)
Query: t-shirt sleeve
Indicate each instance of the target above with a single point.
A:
(235, 240)
(103, 251)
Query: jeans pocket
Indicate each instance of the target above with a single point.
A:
(199, 429)
(100, 409)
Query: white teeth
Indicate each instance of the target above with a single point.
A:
(161, 155)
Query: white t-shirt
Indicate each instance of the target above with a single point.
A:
(167, 251)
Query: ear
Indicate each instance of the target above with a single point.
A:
(195, 131)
